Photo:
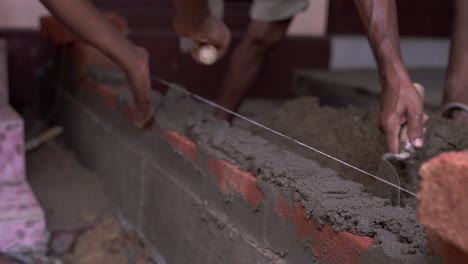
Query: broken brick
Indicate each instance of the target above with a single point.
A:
(443, 197)
(325, 243)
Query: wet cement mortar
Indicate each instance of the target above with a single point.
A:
(330, 196)
(352, 135)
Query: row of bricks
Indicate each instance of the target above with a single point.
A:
(233, 180)
(229, 177)
(443, 204)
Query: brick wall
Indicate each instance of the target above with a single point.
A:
(190, 202)
(195, 197)
(200, 191)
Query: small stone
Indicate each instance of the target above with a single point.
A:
(88, 217)
(62, 242)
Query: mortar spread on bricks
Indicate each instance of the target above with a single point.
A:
(327, 197)
(352, 134)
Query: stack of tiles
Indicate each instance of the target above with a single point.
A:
(22, 220)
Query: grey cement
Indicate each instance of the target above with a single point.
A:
(168, 188)
(351, 134)
(329, 199)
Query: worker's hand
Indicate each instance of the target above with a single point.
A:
(212, 31)
(401, 103)
(138, 76)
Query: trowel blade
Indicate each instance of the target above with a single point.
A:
(386, 171)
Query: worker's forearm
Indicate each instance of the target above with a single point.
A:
(192, 14)
(82, 17)
(380, 21)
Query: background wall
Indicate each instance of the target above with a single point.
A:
(20, 14)
(312, 22)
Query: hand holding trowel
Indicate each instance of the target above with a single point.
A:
(206, 54)
(406, 151)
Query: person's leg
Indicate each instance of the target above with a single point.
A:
(456, 84)
(247, 60)
(270, 21)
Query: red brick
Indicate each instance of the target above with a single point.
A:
(130, 113)
(233, 180)
(449, 252)
(325, 243)
(109, 94)
(443, 197)
(183, 144)
(86, 85)
(55, 31)
(86, 55)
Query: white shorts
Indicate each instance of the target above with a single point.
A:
(261, 10)
(266, 10)
(276, 10)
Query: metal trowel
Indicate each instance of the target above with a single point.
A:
(386, 171)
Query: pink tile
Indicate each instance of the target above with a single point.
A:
(12, 164)
(3, 73)
(22, 220)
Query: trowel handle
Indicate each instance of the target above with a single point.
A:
(207, 54)
(404, 138)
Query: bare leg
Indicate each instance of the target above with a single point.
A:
(247, 60)
(456, 84)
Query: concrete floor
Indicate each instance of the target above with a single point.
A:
(84, 226)
(432, 79)
(69, 193)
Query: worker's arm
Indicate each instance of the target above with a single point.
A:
(194, 20)
(400, 101)
(82, 17)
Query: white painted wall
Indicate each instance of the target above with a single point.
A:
(21, 14)
(354, 52)
(312, 22)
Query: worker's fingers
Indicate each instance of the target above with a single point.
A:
(212, 43)
(195, 56)
(392, 130)
(221, 38)
(138, 76)
(205, 54)
(425, 119)
(415, 118)
(143, 115)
